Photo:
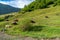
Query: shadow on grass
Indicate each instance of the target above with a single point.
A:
(34, 28)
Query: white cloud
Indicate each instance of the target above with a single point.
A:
(3, 2)
(17, 3)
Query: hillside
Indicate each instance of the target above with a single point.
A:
(40, 19)
(5, 9)
(38, 23)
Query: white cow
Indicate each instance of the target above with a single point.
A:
(8, 26)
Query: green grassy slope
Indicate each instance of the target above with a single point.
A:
(50, 26)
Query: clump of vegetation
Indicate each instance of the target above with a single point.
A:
(8, 16)
(29, 27)
(1, 19)
(5, 18)
(26, 27)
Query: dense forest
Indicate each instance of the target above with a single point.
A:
(40, 4)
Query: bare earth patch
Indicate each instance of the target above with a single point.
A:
(4, 36)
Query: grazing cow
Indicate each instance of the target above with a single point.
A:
(8, 26)
(16, 20)
(46, 17)
(57, 14)
(14, 23)
(5, 29)
(6, 17)
(32, 21)
(7, 20)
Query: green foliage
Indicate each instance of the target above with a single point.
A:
(40, 4)
(26, 27)
(29, 27)
(1, 19)
(57, 2)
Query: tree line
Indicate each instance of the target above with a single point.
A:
(40, 4)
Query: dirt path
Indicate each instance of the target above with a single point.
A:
(4, 36)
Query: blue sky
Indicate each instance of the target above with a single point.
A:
(16, 3)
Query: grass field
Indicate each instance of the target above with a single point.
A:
(47, 23)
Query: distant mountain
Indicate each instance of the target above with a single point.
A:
(4, 9)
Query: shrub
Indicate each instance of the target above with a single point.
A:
(30, 27)
(26, 27)
(8, 16)
(1, 19)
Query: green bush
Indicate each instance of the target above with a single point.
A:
(1, 19)
(26, 27)
(30, 27)
(8, 16)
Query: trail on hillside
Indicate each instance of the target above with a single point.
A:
(4, 36)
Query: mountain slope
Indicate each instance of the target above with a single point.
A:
(37, 23)
(7, 9)
(48, 19)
